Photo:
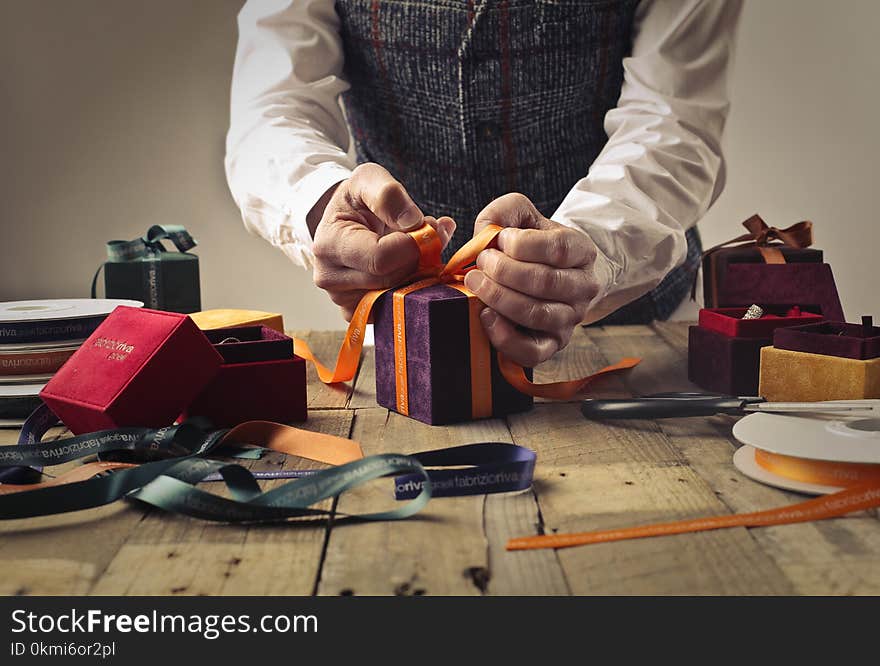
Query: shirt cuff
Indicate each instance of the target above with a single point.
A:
(295, 239)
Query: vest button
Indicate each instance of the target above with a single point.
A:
(488, 130)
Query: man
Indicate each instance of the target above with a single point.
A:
(589, 128)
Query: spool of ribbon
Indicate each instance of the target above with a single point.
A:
(861, 490)
(432, 271)
(148, 245)
(798, 236)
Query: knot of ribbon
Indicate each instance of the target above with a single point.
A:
(151, 243)
(432, 271)
(797, 236)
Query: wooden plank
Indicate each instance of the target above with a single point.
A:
(60, 554)
(600, 476)
(828, 557)
(442, 550)
(183, 556)
(363, 395)
(580, 358)
(674, 333)
(325, 345)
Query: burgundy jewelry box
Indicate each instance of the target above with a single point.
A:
(724, 351)
(717, 264)
(261, 379)
(831, 339)
(810, 284)
(437, 359)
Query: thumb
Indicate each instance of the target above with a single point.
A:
(511, 210)
(372, 186)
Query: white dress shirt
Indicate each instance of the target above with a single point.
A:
(659, 172)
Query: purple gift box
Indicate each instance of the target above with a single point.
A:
(437, 357)
(831, 339)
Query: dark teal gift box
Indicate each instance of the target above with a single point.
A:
(144, 270)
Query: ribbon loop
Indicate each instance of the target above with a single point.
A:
(431, 271)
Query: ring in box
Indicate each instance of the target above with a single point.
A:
(828, 361)
(724, 349)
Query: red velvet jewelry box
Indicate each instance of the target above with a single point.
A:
(139, 368)
(730, 322)
(724, 350)
(261, 379)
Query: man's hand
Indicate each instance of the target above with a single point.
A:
(537, 285)
(359, 244)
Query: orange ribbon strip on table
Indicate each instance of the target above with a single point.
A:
(861, 483)
(798, 236)
(431, 271)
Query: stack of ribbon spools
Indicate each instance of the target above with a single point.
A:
(36, 338)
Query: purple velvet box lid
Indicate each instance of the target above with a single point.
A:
(831, 339)
(716, 264)
(811, 285)
(255, 343)
(437, 358)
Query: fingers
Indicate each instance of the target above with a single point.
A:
(528, 348)
(567, 285)
(357, 247)
(373, 188)
(511, 210)
(557, 246)
(542, 315)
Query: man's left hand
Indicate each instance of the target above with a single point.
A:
(537, 284)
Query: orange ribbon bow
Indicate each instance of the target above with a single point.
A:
(432, 271)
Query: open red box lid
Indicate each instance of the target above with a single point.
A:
(139, 368)
(729, 321)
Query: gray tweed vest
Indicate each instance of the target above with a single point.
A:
(466, 100)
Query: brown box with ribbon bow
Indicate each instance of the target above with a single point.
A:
(770, 266)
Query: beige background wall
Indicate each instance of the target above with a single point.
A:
(113, 116)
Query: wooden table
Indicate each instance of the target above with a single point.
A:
(588, 476)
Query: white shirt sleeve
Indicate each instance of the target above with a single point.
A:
(662, 166)
(288, 139)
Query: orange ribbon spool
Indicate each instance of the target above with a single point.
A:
(861, 483)
(431, 271)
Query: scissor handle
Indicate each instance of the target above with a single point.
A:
(659, 408)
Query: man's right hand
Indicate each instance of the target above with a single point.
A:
(359, 244)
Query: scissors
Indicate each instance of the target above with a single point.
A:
(673, 405)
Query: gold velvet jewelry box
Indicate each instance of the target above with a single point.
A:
(828, 361)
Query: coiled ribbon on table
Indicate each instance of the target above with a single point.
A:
(760, 235)
(174, 463)
(148, 245)
(432, 271)
(861, 490)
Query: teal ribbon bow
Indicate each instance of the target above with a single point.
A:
(146, 246)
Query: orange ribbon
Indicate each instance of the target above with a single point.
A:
(798, 236)
(861, 483)
(431, 271)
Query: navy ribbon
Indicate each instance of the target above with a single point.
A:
(175, 464)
